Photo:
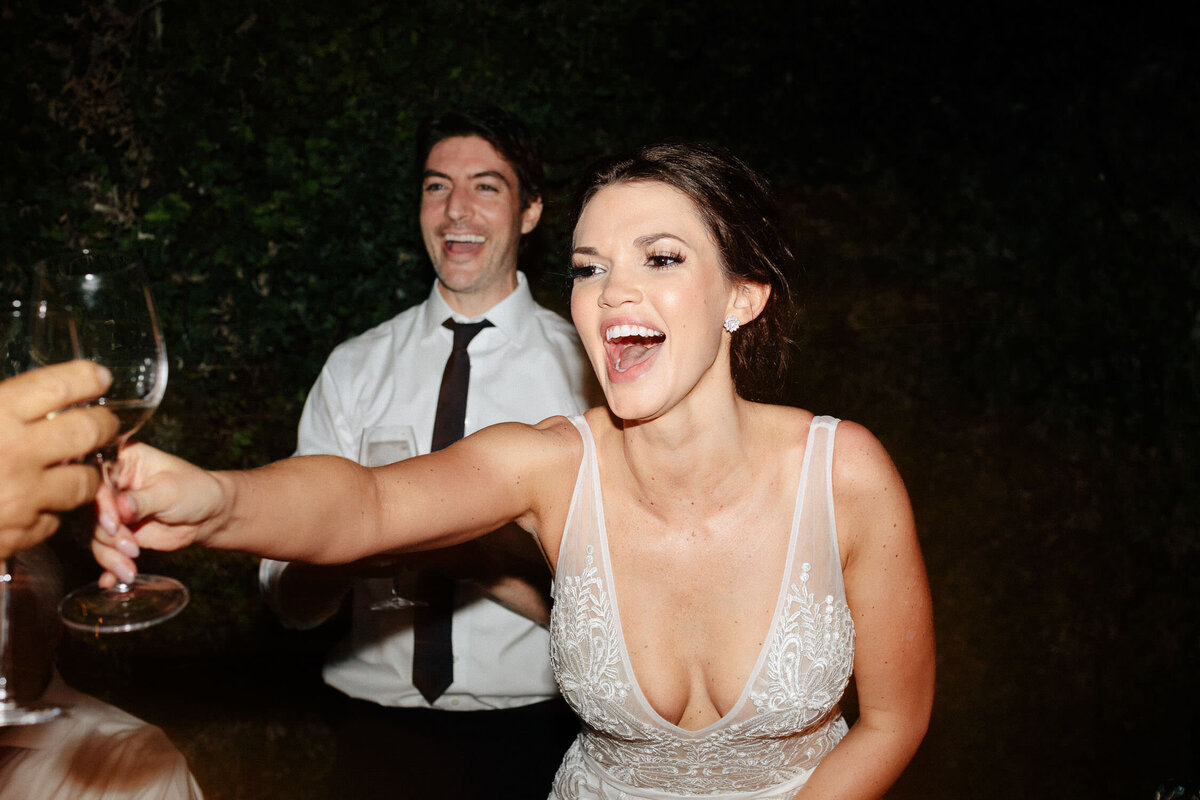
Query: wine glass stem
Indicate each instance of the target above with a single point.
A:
(5, 651)
(106, 459)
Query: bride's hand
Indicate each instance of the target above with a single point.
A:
(157, 501)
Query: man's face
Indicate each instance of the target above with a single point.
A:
(472, 222)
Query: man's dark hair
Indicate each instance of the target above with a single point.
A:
(511, 138)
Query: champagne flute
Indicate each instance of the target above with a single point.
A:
(378, 446)
(97, 305)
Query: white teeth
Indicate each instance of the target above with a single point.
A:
(621, 331)
(466, 238)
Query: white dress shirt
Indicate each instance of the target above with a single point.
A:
(527, 367)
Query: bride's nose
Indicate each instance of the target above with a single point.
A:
(620, 286)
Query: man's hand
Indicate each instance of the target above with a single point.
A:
(37, 476)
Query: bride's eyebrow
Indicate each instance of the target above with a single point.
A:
(641, 241)
(652, 238)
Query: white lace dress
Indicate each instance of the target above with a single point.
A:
(787, 718)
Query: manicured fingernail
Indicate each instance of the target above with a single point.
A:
(124, 574)
(128, 547)
(103, 374)
(107, 523)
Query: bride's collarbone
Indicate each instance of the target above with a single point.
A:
(701, 520)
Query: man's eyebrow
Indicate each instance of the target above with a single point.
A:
(489, 173)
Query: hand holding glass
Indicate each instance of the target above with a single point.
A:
(98, 306)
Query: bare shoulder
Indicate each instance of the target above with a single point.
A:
(860, 461)
(871, 503)
(780, 422)
(561, 441)
(545, 445)
(552, 453)
(559, 427)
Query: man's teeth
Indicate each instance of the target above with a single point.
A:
(465, 238)
(622, 331)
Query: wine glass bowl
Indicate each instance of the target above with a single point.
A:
(379, 446)
(97, 305)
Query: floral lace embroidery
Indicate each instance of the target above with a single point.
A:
(809, 663)
(586, 654)
(790, 723)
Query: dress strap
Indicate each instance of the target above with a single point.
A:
(582, 513)
(819, 485)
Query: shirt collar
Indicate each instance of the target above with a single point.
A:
(507, 315)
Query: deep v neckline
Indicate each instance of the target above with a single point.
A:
(780, 599)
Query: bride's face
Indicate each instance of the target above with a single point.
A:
(649, 297)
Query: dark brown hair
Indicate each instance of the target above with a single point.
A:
(736, 206)
(514, 142)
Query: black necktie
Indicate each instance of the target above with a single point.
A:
(433, 658)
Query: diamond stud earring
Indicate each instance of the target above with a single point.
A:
(731, 323)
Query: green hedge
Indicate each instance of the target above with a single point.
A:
(996, 211)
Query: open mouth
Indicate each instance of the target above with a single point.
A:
(631, 345)
(462, 242)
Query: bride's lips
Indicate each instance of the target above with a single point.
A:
(630, 348)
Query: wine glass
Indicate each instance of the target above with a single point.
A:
(378, 446)
(97, 305)
(12, 711)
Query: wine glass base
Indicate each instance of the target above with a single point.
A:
(13, 713)
(147, 600)
(395, 604)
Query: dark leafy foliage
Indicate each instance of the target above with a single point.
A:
(995, 206)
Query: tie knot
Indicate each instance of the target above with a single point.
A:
(464, 332)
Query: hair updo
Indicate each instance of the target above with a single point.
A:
(743, 219)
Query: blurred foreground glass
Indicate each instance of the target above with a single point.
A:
(97, 305)
(12, 711)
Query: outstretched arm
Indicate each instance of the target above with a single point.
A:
(888, 594)
(288, 510)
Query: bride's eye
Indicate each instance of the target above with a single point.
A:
(664, 260)
(580, 271)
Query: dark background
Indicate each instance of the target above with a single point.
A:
(995, 205)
